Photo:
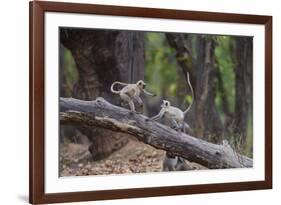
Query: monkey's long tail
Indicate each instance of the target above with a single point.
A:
(116, 91)
(189, 84)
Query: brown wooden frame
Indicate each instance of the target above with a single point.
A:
(37, 95)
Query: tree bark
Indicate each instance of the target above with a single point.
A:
(203, 116)
(243, 87)
(101, 58)
(103, 114)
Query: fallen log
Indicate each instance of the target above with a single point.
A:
(100, 113)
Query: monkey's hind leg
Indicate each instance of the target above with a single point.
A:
(139, 101)
(182, 127)
(132, 106)
(128, 100)
(175, 125)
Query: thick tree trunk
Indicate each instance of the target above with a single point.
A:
(101, 58)
(205, 107)
(203, 117)
(182, 45)
(103, 114)
(243, 86)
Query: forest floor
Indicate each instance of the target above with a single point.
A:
(134, 157)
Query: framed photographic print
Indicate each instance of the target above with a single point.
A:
(140, 102)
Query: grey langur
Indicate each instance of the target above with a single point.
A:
(176, 117)
(174, 163)
(131, 92)
(174, 114)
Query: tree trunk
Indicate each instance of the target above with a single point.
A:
(205, 92)
(243, 87)
(203, 117)
(101, 58)
(95, 113)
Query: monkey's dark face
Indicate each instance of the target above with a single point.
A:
(141, 84)
(165, 103)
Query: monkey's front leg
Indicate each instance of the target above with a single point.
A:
(156, 117)
(148, 93)
(160, 115)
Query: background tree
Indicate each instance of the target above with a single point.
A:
(195, 54)
(243, 55)
(220, 69)
(102, 57)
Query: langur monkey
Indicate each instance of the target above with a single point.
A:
(174, 163)
(176, 117)
(174, 114)
(131, 92)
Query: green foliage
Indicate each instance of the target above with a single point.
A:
(248, 149)
(69, 71)
(160, 65)
(164, 76)
(224, 58)
(188, 99)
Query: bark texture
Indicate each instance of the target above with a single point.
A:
(102, 57)
(101, 113)
(243, 86)
(203, 74)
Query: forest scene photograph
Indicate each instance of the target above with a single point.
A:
(142, 102)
